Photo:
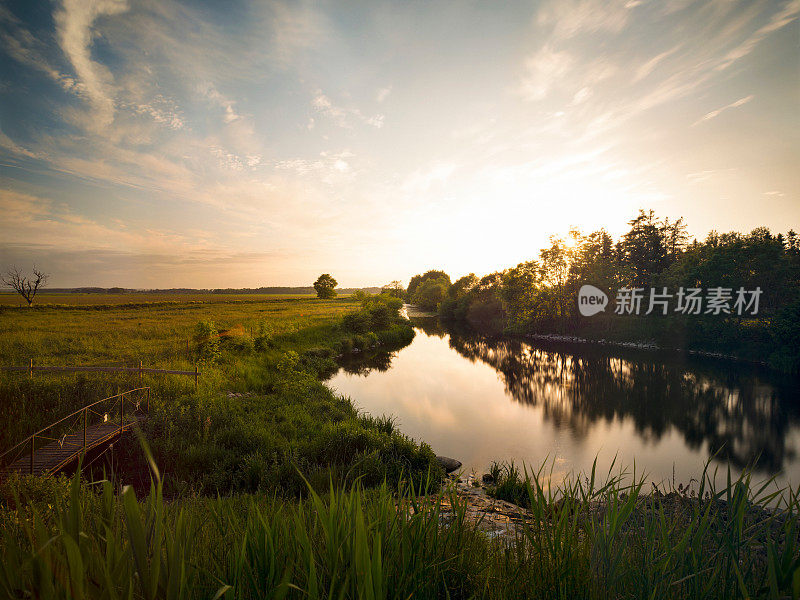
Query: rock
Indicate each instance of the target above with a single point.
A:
(448, 464)
(487, 478)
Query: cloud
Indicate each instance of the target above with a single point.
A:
(715, 113)
(543, 71)
(27, 49)
(74, 31)
(423, 180)
(330, 167)
(648, 67)
(568, 18)
(212, 93)
(383, 93)
(789, 13)
(164, 111)
(376, 121)
(234, 162)
(296, 28)
(582, 95)
(343, 117)
(9, 144)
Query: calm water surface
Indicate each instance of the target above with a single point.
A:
(480, 400)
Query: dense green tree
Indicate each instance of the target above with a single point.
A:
(325, 286)
(540, 296)
(644, 250)
(395, 288)
(519, 293)
(418, 280)
(463, 286)
(485, 310)
(431, 293)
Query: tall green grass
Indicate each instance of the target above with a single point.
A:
(590, 537)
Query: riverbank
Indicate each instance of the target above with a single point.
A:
(645, 346)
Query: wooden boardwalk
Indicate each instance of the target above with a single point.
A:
(56, 455)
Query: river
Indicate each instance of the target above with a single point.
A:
(480, 400)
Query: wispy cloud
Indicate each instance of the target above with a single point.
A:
(779, 20)
(569, 18)
(343, 117)
(74, 30)
(544, 70)
(383, 93)
(229, 111)
(715, 113)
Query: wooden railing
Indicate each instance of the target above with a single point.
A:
(81, 418)
(31, 369)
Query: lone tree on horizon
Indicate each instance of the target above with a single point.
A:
(325, 286)
(22, 284)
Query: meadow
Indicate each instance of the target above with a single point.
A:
(49, 299)
(260, 409)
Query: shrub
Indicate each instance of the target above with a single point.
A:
(360, 342)
(207, 338)
(263, 338)
(380, 317)
(396, 335)
(362, 297)
(346, 346)
(356, 322)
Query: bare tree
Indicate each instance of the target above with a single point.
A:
(22, 284)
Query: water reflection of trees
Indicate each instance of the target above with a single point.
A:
(365, 362)
(729, 407)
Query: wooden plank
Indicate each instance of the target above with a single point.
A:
(53, 457)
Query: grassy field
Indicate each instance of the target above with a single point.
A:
(80, 299)
(260, 410)
(154, 332)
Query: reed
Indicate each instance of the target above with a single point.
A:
(589, 537)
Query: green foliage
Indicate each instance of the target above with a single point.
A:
(786, 332)
(361, 296)
(430, 293)
(539, 296)
(263, 337)
(395, 288)
(206, 338)
(325, 286)
(580, 539)
(442, 280)
(377, 313)
(356, 322)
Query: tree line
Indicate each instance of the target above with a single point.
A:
(540, 296)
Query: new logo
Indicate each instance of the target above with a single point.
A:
(591, 300)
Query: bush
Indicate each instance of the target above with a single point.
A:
(263, 338)
(360, 342)
(396, 335)
(380, 317)
(206, 337)
(356, 322)
(346, 346)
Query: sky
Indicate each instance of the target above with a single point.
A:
(148, 143)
